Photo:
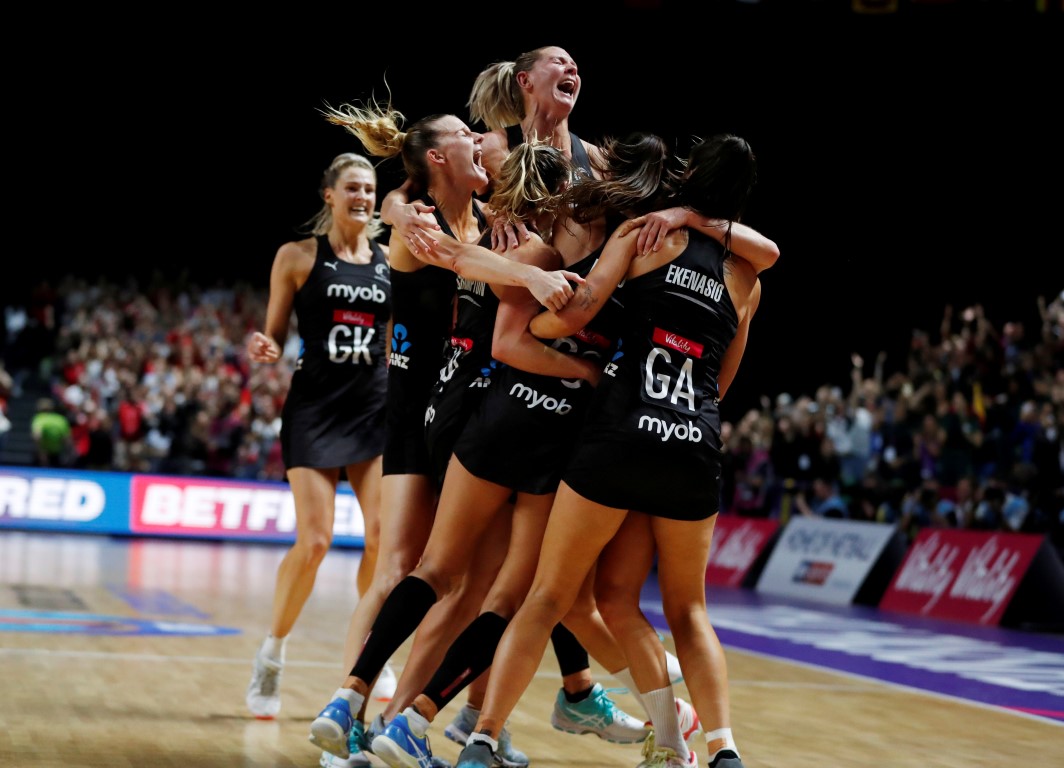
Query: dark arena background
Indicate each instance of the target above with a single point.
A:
(909, 152)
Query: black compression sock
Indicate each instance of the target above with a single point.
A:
(470, 654)
(400, 615)
(572, 657)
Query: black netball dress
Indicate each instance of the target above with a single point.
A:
(333, 414)
(466, 371)
(524, 428)
(423, 313)
(651, 439)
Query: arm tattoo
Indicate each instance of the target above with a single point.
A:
(587, 297)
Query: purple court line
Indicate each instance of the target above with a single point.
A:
(1022, 672)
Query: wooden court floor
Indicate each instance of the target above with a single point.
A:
(131, 653)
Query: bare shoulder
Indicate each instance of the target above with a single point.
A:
(296, 253)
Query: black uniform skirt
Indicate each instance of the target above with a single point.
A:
(333, 426)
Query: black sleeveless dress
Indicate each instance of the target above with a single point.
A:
(333, 414)
(422, 316)
(467, 368)
(651, 439)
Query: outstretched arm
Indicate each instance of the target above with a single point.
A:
(746, 242)
(550, 288)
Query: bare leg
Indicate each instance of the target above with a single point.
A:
(406, 510)
(451, 614)
(365, 480)
(576, 532)
(622, 570)
(314, 492)
(684, 551)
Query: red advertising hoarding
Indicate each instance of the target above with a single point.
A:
(738, 543)
(962, 575)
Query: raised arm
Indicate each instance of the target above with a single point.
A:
(746, 242)
(742, 282)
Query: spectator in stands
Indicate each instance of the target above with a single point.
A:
(51, 435)
(823, 499)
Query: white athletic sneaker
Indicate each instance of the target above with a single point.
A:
(663, 757)
(384, 688)
(687, 716)
(263, 694)
(358, 747)
(597, 714)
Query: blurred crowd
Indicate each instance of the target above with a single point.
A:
(154, 378)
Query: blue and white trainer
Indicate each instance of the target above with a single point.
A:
(331, 727)
(405, 742)
(357, 746)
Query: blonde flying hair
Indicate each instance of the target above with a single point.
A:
(496, 99)
(321, 222)
(380, 129)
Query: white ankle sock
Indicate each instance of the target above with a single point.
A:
(354, 699)
(483, 738)
(718, 740)
(273, 647)
(419, 724)
(666, 723)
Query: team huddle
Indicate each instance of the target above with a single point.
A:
(522, 387)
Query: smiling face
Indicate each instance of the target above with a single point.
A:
(552, 83)
(354, 195)
(459, 154)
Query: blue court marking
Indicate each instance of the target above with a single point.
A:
(61, 622)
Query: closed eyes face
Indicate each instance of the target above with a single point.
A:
(554, 78)
(461, 147)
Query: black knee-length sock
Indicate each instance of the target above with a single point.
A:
(572, 657)
(469, 655)
(400, 615)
